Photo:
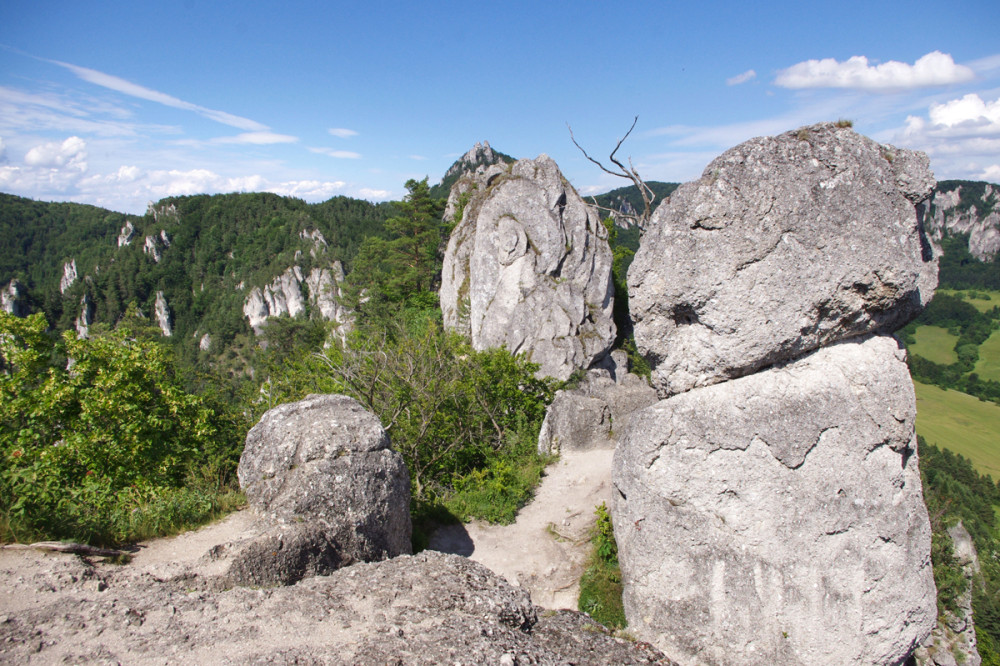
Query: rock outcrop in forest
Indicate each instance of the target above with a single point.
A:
(528, 267)
(769, 509)
(967, 208)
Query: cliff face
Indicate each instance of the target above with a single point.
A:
(970, 208)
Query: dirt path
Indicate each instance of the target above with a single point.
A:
(545, 549)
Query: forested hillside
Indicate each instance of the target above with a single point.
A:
(204, 253)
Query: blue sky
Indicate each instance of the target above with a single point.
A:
(116, 104)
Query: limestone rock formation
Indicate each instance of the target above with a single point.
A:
(205, 343)
(953, 641)
(326, 294)
(162, 313)
(592, 415)
(528, 267)
(324, 466)
(86, 316)
(155, 244)
(126, 235)
(480, 155)
(163, 213)
(13, 299)
(575, 422)
(319, 244)
(428, 608)
(69, 276)
(784, 244)
(979, 220)
(778, 518)
(284, 296)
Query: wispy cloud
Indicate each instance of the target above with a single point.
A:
(933, 69)
(339, 154)
(342, 132)
(419, 158)
(257, 138)
(135, 90)
(748, 75)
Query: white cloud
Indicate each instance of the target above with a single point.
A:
(419, 158)
(748, 75)
(3, 151)
(308, 189)
(962, 136)
(991, 173)
(340, 154)
(368, 193)
(933, 69)
(342, 132)
(257, 138)
(71, 153)
(969, 112)
(969, 118)
(135, 90)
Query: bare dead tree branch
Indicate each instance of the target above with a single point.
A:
(648, 197)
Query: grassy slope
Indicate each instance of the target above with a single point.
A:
(935, 344)
(961, 423)
(988, 366)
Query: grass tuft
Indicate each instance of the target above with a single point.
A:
(601, 583)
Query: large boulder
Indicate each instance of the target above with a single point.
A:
(592, 415)
(528, 267)
(778, 518)
(324, 467)
(784, 244)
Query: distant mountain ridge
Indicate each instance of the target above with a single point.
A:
(481, 154)
(196, 260)
(626, 202)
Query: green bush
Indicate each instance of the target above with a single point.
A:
(98, 434)
(466, 422)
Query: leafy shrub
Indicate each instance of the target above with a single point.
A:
(92, 444)
(466, 422)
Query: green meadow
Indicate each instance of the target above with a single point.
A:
(988, 366)
(961, 423)
(935, 344)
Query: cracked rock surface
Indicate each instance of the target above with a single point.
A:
(428, 608)
(778, 518)
(528, 267)
(784, 244)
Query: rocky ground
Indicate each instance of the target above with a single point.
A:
(168, 604)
